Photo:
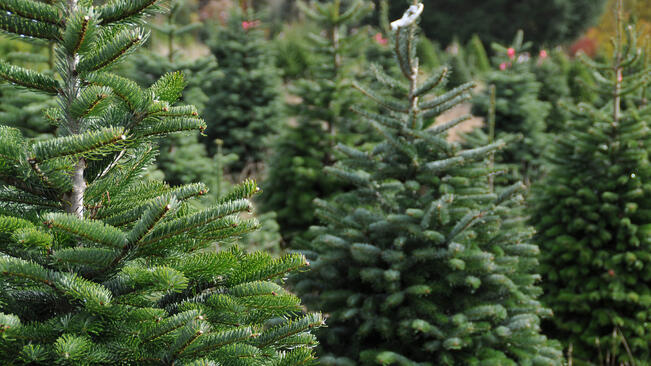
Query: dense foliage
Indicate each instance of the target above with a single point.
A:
(182, 158)
(593, 214)
(101, 267)
(420, 242)
(421, 263)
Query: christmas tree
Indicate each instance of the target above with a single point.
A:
(300, 152)
(421, 263)
(519, 111)
(244, 106)
(593, 212)
(100, 267)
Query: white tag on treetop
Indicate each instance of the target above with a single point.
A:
(409, 17)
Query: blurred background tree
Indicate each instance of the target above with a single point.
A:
(244, 95)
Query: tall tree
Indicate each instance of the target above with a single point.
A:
(99, 267)
(422, 263)
(593, 214)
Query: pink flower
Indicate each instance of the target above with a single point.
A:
(380, 39)
(543, 54)
(503, 66)
(511, 53)
(248, 25)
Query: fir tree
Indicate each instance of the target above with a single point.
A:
(519, 111)
(422, 264)
(98, 267)
(593, 214)
(244, 108)
(300, 152)
(477, 55)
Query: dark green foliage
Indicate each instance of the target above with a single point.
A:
(555, 21)
(244, 106)
(583, 86)
(300, 152)
(267, 238)
(593, 215)
(421, 263)
(99, 266)
(519, 110)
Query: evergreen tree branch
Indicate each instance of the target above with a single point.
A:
(120, 10)
(79, 34)
(91, 295)
(78, 145)
(28, 78)
(24, 186)
(33, 10)
(181, 225)
(125, 89)
(20, 26)
(119, 46)
(91, 230)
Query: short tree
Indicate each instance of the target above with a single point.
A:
(421, 263)
(98, 267)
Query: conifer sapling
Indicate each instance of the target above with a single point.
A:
(422, 263)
